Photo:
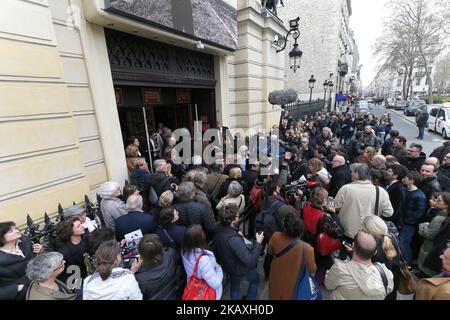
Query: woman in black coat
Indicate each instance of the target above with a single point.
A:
(16, 250)
(157, 274)
(70, 243)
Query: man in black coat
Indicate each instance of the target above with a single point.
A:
(415, 158)
(159, 180)
(443, 175)
(441, 151)
(235, 255)
(396, 190)
(429, 184)
(251, 175)
(135, 219)
(193, 212)
(388, 144)
(340, 175)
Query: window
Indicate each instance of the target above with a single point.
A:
(434, 112)
(418, 81)
(399, 82)
(430, 69)
(441, 114)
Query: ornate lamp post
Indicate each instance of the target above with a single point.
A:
(311, 86)
(330, 86)
(325, 88)
(280, 44)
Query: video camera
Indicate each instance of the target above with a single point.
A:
(291, 189)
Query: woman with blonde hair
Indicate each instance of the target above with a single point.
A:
(132, 154)
(388, 249)
(317, 172)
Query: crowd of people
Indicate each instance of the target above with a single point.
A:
(350, 203)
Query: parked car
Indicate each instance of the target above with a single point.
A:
(439, 120)
(401, 105)
(414, 107)
(390, 103)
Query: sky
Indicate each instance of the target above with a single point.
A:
(367, 23)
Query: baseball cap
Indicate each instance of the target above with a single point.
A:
(73, 211)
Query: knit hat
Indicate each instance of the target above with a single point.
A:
(73, 211)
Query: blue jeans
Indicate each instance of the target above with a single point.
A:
(421, 132)
(382, 136)
(235, 288)
(406, 235)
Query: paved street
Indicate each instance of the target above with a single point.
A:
(407, 128)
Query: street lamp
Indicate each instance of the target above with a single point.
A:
(330, 86)
(325, 88)
(311, 86)
(280, 44)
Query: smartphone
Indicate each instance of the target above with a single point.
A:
(330, 200)
(346, 244)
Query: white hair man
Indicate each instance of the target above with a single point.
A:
(357, 200)
(111, 206)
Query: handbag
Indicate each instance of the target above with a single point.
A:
(408, 284)
(306, 287)
(198, 289)
(326, 244)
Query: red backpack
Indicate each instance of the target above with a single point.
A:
(198, 289)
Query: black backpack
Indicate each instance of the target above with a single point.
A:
(266, 221)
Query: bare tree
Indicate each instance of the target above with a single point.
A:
(422, 19)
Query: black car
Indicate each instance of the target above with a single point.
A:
(414, 108)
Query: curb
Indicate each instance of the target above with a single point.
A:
(402, 115)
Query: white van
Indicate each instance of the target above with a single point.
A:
(439, 120)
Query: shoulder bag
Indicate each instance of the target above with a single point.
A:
(198, 289)
(306, 287)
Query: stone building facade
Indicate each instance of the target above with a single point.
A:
(324, 35)
(59, 117)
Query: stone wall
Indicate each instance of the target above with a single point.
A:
(320, 30)
(255, 70)
(45, 112)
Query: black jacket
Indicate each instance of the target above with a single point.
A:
(443, 177)
(397, 195)
(430, 186)
(414, 164)
(386, 149)
(12, 271)
(160, 182)
(233, 254)
(74, 256)
(171, 236)
(339, 177)
(160, 282)
(132, 221)
(193, 212)
(224, 188)
(441, 151)
(250, 176)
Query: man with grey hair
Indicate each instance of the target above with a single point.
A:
(160, 179)
(233, 197)
(111, 206)
(193, 212)
(357, 200)
(359, 278)
(201, 195)
(43, 271)
(135, 219)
